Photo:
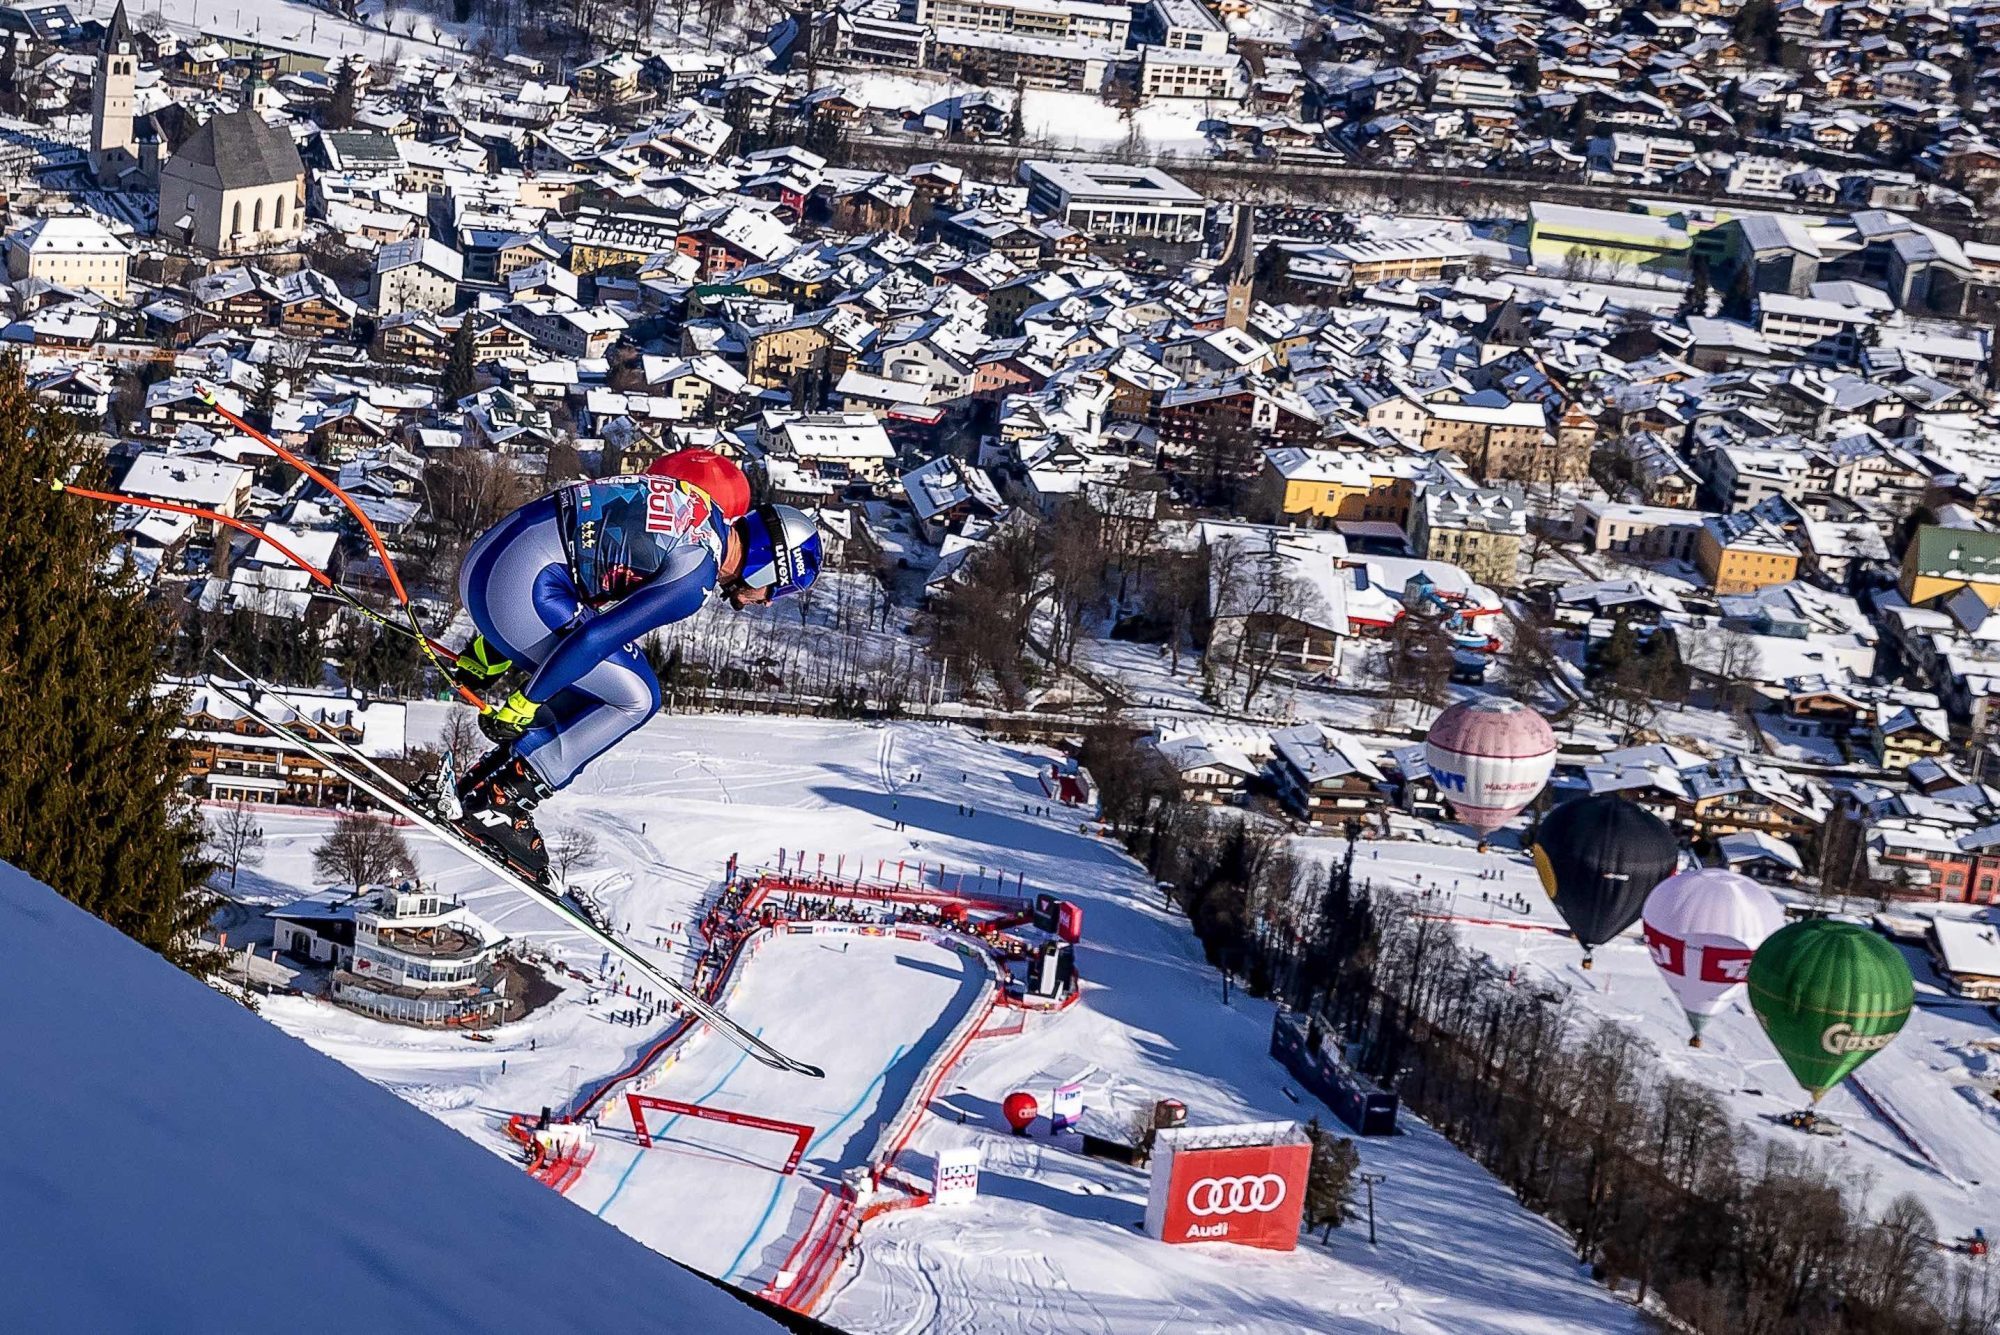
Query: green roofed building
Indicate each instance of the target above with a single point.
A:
(1940, 561)
(1560, 233)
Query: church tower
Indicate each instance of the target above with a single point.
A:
(113, 150)
(1239, 268)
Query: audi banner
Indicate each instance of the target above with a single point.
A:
(1249, 1194)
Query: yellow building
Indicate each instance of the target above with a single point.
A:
(1741, 553)
(1941, 561)
(1317, 488)
(76, 252)
(609, 243)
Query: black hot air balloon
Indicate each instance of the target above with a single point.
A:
(1599, 858)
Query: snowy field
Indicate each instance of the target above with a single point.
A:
(294, 25)
(1929, 1079)
(1053, 1241)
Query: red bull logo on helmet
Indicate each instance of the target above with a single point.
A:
(673, 507)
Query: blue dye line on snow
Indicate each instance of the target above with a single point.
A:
(729, 1271)
(638, 1152)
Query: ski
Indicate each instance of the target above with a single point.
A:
(254, 687)
(387, 795)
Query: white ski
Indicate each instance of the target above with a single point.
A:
(444, 803)
(386, 793)
(255, 687)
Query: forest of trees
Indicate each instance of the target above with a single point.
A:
(90, 799)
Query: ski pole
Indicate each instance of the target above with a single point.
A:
(216, 516)
(208, 398)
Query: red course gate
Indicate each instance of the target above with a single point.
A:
(638, 1103)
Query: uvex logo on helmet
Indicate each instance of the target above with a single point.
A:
(1840, 1040)
(1235, 1195)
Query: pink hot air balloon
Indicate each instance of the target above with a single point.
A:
(1702, 927)
(1490, 758)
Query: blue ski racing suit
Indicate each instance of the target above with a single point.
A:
(568, 584)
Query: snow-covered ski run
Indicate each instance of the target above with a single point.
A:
(387, 793)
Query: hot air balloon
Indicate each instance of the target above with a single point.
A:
(1831, 995)
(1702, 928)
(1599, 858)
(1490, 758)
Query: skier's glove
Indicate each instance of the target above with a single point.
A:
(480, 664)
(506, 722)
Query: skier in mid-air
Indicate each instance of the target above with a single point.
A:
(567, 585)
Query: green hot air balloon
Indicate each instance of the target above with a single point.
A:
(1831, 995)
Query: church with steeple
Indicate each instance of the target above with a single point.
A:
(233, 184)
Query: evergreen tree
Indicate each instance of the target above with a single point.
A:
(90, 798)
(346, 92)
(461, 372)
(1742, 293)
(10, 76)
(1329, 1179)
(1696, 300)
(264, 399)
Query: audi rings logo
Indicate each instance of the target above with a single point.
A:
(1235, 1195)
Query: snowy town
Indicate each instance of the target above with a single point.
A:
(994, 665)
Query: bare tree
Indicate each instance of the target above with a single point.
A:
(1076, 570)
(982, 622)
(1253, 593)
(1420, 656)
(235, 839)
(1175, 596)
(1730, 658)
(461, 737)
(466, 495)
(572, 849)
(363, 850)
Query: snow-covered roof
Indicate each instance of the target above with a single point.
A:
(176, 477)
(1318, 753)
(945, 482)
(1757, 846)
(382, 722)
(1968, 948)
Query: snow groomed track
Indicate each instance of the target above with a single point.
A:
(710, 1194)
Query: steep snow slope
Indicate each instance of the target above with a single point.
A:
(173, 1163)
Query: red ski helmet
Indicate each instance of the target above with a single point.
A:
(715, 476)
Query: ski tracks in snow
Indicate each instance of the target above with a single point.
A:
(958, 1297)
(884, 758)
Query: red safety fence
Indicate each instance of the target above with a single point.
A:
(815, 1258)
(930, 1089)
(558, 1171)
(654, 1051)
(767, 884)
(1495, 922)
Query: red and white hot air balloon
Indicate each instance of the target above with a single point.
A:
(1490, 758)
(1702, 927)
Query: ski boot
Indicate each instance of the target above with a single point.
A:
(499, 799)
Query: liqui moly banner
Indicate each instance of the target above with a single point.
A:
(957, 1175)
(1251, 1195)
